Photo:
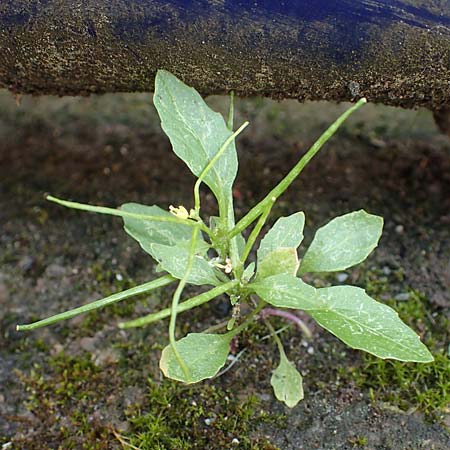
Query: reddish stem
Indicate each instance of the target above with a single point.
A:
(291, 317)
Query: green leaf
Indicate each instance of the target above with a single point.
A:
(148, 232)
(204, 355)
(286, 291)
(169, 243)
(240, 244)
(281, 260)
(365, 324)
(174, 259)
(277, 252)
(343, 242)
(287, 382)
(217, 225)
(249, 272)
(350, 314)
(286, 232)
(196, 132)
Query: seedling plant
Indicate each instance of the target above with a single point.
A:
(215, 253)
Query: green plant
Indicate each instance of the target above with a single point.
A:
(191, 252)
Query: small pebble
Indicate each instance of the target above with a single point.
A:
(310, 351)
(119, 277)
(399, 229)
(88, 344)
(208, 421)
(235, 441)
(354, 88)
(27, 263)
(402, 297)
(386, 270)
(106, 357)
(341, 277)
(57, 349)
(55, 271)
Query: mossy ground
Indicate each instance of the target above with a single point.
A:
(168, 415)
(197, 418)
(70, 387)
(412, 387)
(82, 379)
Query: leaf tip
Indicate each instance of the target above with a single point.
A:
(427, 357)
(161, 73)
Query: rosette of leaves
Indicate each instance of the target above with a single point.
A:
(191, 252)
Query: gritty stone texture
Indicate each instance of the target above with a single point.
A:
(396, 54)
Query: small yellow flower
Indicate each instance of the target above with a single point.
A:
(228, 266)
(180, 212)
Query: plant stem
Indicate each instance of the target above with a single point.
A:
(274, 334)
(121, 439)
(231, 112)
(193, 302)
(233, 247)
(248, 318)
(288, 316)
(211, 164)
(114, 298)
(255, 232)
(120, 213)
(279, 189)
(176, 299)
(216, 327)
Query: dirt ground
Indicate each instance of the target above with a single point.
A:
(85, 384)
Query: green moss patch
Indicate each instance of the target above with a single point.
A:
(63, 400)
(197, 417)
(76, 405)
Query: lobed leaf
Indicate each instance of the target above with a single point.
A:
(204, 355)
(196, 133)
(287, 382)
(343, 242)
